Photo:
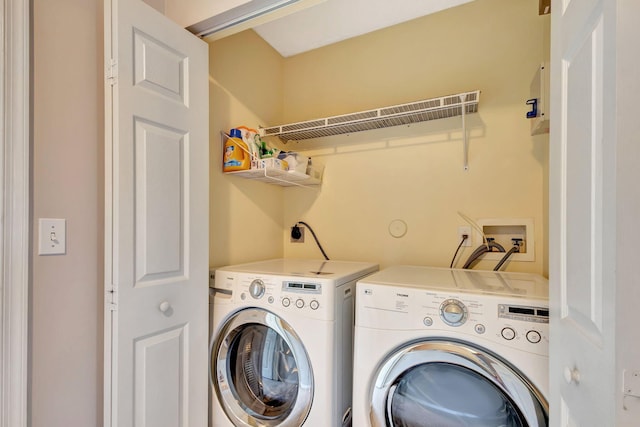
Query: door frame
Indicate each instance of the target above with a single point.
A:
(15, 127)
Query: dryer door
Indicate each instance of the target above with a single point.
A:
(263, 372)
(445, 383)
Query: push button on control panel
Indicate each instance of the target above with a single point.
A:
(508, 333)
(286, 302)
(314, 305)
(299, 303)
(534, 337)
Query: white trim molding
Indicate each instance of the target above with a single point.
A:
(14, 202)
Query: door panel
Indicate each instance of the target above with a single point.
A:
(160, 188)
(157, 221)
(583, 191)
(159, 67)
(169, 407)
(582, 213)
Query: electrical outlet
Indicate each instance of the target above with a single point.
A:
(465, 230)
(301, 238)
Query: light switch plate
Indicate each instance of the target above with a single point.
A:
(52, 236)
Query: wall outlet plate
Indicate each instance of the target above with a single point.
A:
(465, 230)
(301, 239)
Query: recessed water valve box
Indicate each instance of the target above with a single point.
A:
(507, 231)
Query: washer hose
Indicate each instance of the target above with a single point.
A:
(482, 249)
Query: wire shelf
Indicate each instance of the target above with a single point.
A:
(278, 177)
(396, 115)
(268, 170)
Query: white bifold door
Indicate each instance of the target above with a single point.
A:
(156, 216)
(582, 242)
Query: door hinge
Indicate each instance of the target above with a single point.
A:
(112, 300)
(112, 72)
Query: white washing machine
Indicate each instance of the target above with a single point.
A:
(282, 343)
(446, 347)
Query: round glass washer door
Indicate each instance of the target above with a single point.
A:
(263, 372)
(444, 383)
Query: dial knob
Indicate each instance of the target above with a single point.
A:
(256, 289)
(453, 312)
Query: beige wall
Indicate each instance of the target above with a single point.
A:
(66, 298)
(414, 174)
(245, 89)
(491, 45)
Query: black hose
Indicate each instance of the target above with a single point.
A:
(511, 251)
(487, 247)
(482, 249)
(457, 249)
(315, 238)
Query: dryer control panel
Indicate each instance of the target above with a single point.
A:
(520, 323)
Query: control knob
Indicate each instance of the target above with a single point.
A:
(256, 289)
(453, 312)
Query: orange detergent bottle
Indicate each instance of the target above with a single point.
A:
(236, 153)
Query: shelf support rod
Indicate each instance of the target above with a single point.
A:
(465, 142)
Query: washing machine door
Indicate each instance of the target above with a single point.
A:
(445, 383)
(263, 372)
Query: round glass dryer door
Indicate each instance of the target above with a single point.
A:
(263, 372)
(445, 383)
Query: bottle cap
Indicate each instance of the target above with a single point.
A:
(235, 133)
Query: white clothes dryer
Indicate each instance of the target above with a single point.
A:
(282, 343)
(447, 347)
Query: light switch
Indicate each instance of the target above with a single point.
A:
(52, 234)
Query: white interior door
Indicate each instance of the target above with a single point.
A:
(582, 241)
(157, 220)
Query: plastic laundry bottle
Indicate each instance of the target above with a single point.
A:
(236, 153)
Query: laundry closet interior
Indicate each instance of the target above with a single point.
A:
(414, 174)
(398, 195)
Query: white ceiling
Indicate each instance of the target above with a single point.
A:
(334, 20)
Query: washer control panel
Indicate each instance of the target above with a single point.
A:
(303, 294)
(308, 297)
